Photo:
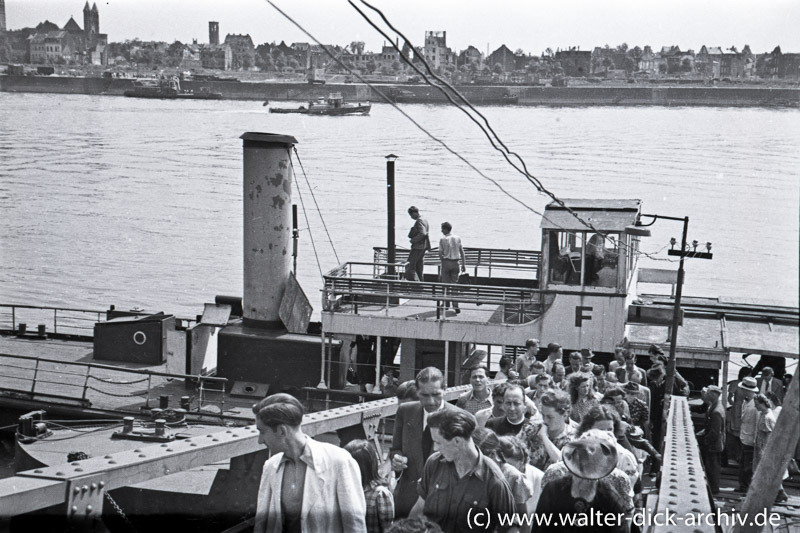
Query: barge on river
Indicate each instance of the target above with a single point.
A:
(169, 89)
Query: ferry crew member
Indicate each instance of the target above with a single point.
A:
(412, 443)
(459, 480)
(420, 243)
(306, 486)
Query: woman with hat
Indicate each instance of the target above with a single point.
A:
(589, 460)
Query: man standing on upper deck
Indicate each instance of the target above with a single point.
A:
(450, 251)
(420, 243)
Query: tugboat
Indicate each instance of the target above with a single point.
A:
(170, 89)
(334, 105)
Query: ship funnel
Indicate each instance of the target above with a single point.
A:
(267, 249)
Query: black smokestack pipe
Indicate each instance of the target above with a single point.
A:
(390, 245)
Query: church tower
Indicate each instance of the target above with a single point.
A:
(91, 23)
(213, 33)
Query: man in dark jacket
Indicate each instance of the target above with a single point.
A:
(412, 442)
(714, 437)
(420, 243)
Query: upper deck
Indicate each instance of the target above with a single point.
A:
(573, 293)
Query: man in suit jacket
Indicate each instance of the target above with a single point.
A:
(412, 443)
(769, 383)
(306, 486)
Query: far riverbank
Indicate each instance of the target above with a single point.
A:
(634, 95)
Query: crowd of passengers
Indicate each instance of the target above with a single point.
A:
(540, 438)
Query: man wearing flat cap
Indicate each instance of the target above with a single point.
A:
(713, 437)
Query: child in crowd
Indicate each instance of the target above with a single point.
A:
(380, 502)
(489, 444)
(515, 453)
(389, 382)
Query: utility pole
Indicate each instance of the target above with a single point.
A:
(683, 253)
(676, 313)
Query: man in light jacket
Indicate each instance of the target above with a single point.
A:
(306, 486)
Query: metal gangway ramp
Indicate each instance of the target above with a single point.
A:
(80, 487)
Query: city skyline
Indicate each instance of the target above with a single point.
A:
(485, 25)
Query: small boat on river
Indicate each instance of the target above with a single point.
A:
(334, 105)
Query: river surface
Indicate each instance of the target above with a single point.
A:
(109, 200)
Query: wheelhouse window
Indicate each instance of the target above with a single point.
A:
(583, 258)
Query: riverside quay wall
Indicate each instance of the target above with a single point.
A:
(736, 96)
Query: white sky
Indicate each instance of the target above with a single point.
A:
(532, 25)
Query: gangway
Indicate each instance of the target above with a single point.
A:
(78, 489)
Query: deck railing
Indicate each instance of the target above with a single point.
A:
(476, 258)
(39, 376)
(353, 285)
(58, 320)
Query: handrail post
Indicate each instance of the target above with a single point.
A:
(388, 288)
(35, 375)
(86, 383)
(13, 318)
(55, 321)
(149, 383)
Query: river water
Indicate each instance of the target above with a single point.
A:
(108, 200)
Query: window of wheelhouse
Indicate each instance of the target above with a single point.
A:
(595, 264)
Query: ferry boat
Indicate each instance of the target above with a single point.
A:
(578, 290)
(333, 105)
(169, 89)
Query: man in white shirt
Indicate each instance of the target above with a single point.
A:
(450, 251)
(555, 354)
(523, 364)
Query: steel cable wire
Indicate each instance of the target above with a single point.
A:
(313, 197)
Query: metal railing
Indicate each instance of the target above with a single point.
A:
(32, 376)
(59, 320)
(486, 258)
(353, 285)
